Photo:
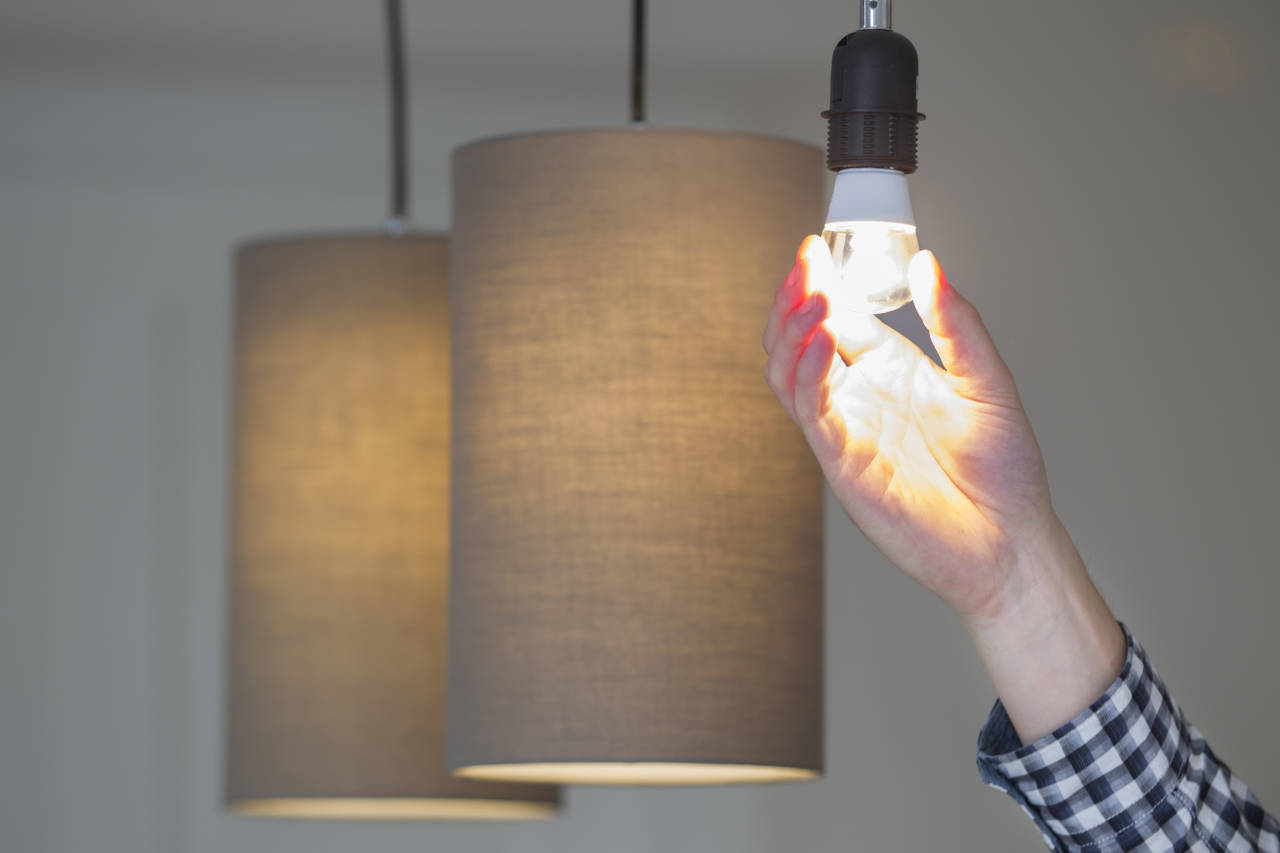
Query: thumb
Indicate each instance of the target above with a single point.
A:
(957, 330)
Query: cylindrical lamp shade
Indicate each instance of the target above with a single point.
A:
(637, 525)
(339, 547)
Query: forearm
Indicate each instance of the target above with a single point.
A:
(1050, 644)
(1127, 773)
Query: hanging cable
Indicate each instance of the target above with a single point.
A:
(398, 196)
(637, 60)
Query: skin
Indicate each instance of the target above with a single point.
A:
(941, 470)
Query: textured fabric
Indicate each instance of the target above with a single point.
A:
(339, 535)
(1129, 773)
(637, 524)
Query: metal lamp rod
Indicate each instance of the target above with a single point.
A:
(398, 196)
(877, 14)
(638, 34)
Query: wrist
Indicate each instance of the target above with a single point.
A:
(1041, 572)
(1048, 640)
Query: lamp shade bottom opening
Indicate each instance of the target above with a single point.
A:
(392, 808)
(636, 773)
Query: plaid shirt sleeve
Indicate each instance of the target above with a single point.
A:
(1128, 773)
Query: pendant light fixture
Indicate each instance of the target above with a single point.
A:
(339, 525)
(636, 591)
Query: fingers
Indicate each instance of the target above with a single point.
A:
(799, 283)
(816, 264)
(822, 425)
(957, 330)
(789, 296)
(791, 325)
(790, 342)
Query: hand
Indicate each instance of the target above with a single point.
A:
(941, 470)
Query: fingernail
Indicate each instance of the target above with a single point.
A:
(813, 248)
(921, 268)
(818, 265)
(805, 246)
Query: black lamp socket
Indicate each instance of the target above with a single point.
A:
(873, 117)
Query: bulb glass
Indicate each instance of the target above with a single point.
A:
(871, 260)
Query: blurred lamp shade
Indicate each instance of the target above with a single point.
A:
(339, 536)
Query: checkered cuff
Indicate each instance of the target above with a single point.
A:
(1127, 774)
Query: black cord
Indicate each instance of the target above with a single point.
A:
(399, 191)
(637, 60)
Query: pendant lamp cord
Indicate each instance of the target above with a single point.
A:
(637, 60)
(398, 200)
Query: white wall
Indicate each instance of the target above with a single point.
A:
(1097, 177)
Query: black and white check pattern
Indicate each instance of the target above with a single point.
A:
(1127, 774)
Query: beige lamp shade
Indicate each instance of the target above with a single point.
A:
(637, 525)
(339, 545)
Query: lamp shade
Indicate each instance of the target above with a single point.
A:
(339, 542)
(636, 572)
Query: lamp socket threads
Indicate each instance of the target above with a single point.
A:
(873, 118)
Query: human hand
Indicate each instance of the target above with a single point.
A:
(939, 468)
(942, 472)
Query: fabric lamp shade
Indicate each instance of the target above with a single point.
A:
(636, 587)
(339, 536)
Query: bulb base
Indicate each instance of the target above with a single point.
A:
(870, 195)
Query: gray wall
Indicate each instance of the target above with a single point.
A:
(1096, 176)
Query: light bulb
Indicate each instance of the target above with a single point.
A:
(871, 265)
(871, 233)
(871, 146)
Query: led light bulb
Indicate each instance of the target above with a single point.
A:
(871, 265)
(871, 233)
(871, 146)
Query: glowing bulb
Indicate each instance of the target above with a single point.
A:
(871, 261)
(871, 233)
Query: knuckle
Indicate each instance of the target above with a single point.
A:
(793, 332)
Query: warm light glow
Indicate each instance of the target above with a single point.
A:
(851, 224)
(871, 260)
(928, 445)
(636, 773)
(391, 808)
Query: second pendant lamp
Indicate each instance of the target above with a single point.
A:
(636, 573)
(339, 547)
